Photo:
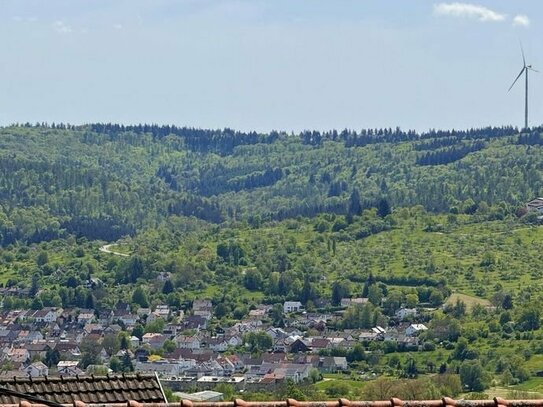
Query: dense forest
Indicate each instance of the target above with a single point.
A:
(105, 181)
(434, 221)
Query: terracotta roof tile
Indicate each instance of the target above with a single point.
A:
(445, 402)
(89, 389)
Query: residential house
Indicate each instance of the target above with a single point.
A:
(257, 313)
(128, 319)
(204, 313)
(37, 369)
(227, 366)
(38, 349)
(68, 349)
(154, 340)
(163, 311)
(369, 336)
(415, 329)
(47, 315)
(195, 322)
(404, 313)
(235, 340)
(202, 305)
(332, 364)
(162, 367)
(299, 346)
(219, 344)
(69, 368)
(18, 355)
(187, 342)
(85, 317)
(276, 333)
(318, 344)
(237, 362)
(292, 371)
(292, 306)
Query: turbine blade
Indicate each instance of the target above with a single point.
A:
(516, 79)
(522, 51)
(532, 69)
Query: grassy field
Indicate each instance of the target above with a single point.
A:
(469, 300)
(472, 257)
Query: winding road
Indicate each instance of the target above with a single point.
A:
(105, 249)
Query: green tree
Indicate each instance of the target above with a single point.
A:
(383, 208)
(111, 344)
(42, 259)
(340, 290)
(138, 331)
(126, 363)
(258, 341)
(167, 288)
(115, 364)
(410, 368)
(139, 297)
(472, 375)
(169, 346)
(530, 319)
(52, 357)
(375, 295)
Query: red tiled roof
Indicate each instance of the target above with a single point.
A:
(86, 389)
(445, 402)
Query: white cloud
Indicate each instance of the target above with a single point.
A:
(118, 26)
(521, 20)
(60, 27)
(466, 10)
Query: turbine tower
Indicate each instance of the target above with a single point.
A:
(524, 70)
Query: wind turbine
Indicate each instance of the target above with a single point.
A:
(525, 69)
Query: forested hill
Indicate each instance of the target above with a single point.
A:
(103, 181)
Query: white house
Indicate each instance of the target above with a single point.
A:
(403, 313)
(415, 329)
(69, 368)
(162, 367)
(187, 342)
(292, 306)
(37, 369)
(47, 315)
(85, 317)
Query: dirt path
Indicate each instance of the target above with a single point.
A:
(105, 249)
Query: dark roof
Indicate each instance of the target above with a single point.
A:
(88, 389)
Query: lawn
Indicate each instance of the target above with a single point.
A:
(469, 300)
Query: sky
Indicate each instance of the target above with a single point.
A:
(266, 65)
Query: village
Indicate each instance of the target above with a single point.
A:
(183, 351)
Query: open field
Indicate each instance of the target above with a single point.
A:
(469, 300)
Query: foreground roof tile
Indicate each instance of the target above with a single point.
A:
(87, 389)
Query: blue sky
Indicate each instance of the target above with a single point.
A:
(269, 64)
